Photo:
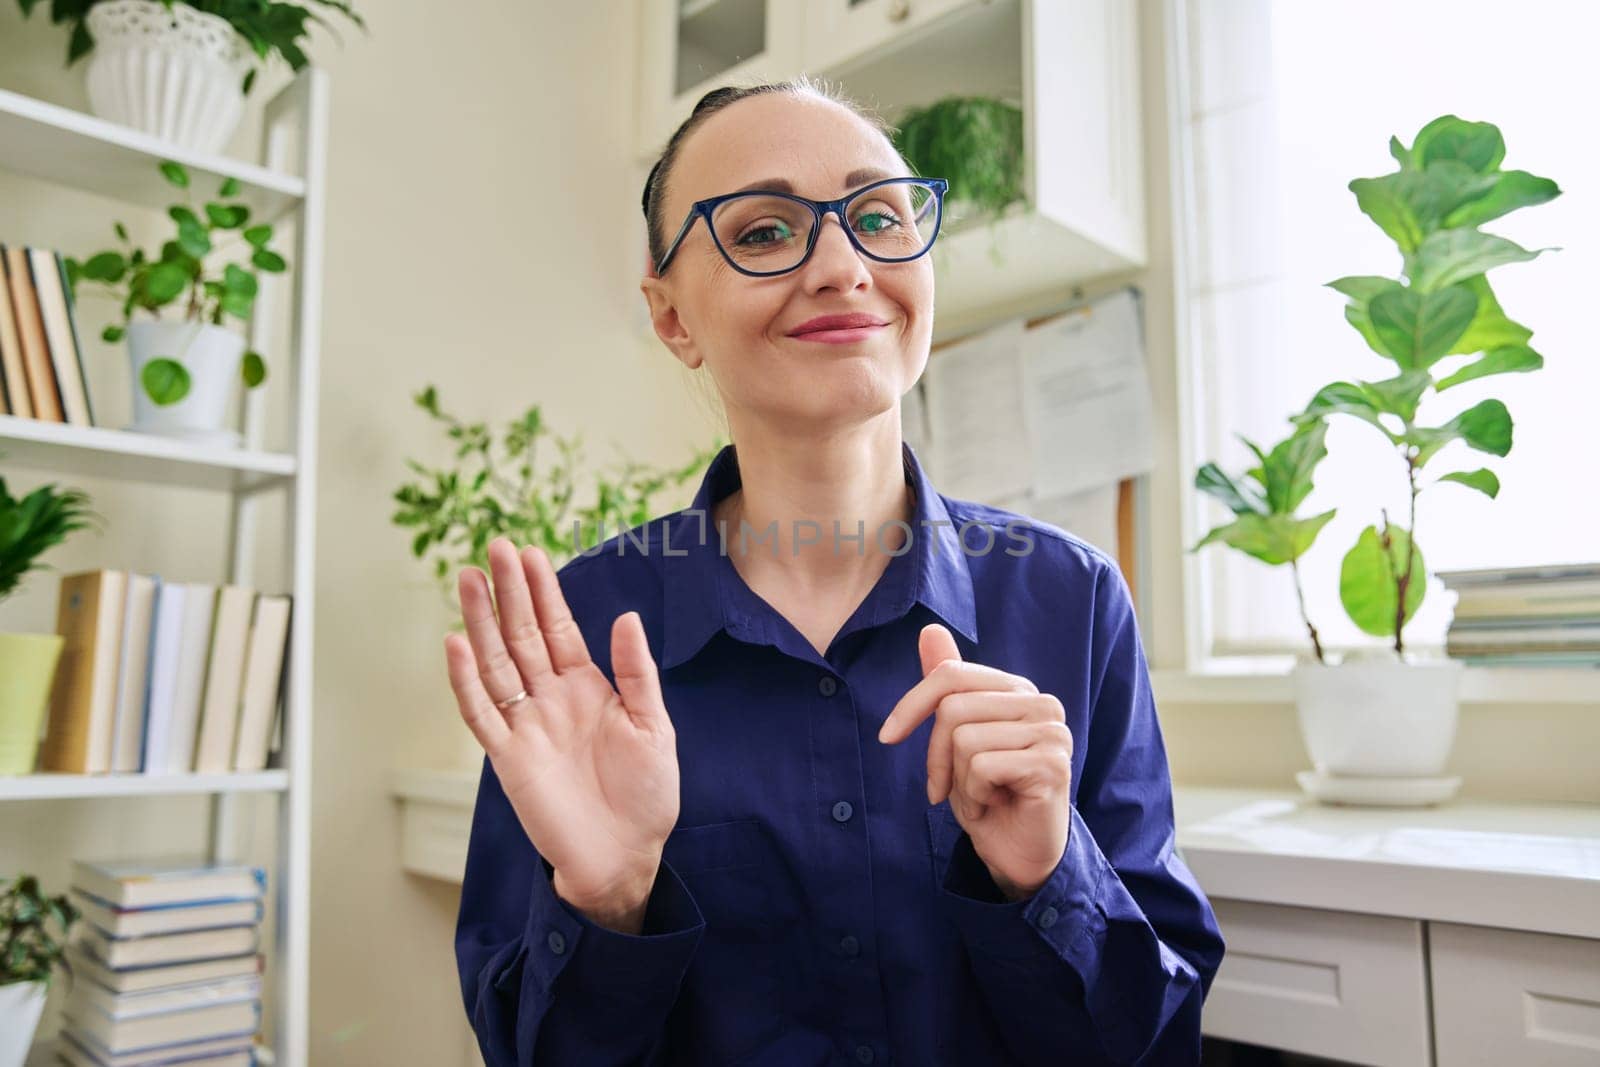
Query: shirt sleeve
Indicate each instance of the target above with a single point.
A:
(1115, 953)
(542, 983)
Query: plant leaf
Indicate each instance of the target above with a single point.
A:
(1510, 359)
(1367, 586)
(1483, 480)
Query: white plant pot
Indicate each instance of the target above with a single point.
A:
(174, 74)
(212, 355)
(21, 1004)
(1377, 716)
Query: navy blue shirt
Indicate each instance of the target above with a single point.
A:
(811, 907)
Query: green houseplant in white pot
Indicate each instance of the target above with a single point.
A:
(29, 955)
(185, 367)
(180, 69)
(1379, 724)
(28, 527)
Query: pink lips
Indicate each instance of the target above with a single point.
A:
(838, 329)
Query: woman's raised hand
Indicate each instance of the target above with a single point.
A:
(591, 771)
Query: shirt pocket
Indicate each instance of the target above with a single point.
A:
(944, 830)
(735, 994)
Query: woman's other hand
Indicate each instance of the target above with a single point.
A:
(591, 770)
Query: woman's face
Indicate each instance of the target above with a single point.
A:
(741, 327)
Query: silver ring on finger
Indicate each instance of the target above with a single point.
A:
(522, 694)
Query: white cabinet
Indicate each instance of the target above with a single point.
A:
(1072, 66)
(1510, 996)
(1326, 983)
(688, 47)
(838, 31)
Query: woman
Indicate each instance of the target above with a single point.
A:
(924, 814)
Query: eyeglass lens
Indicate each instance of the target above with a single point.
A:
(765, 233)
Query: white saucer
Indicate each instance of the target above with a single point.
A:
(1394, 792)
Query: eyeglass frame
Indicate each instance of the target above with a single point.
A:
(820, 209)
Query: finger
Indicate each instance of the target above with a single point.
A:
(638, 683)
(485, 720)
(518, 623)
(561, 634)
(964, 711)
(973, 738)
(500, 676)
(1039, 772)
(936, 644)
(950, 676)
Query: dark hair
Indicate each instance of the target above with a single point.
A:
(655, 186)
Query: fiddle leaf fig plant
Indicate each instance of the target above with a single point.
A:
(457, 512)
(1438, 326)
(180, 273)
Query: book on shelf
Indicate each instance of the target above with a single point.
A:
(1547, 615)
(167, 963)
(165, 677)
(41, 358)
(138, 979)
(164, 918)
(81, 1051)
(153, 882)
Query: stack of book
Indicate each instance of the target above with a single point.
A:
(164, 677)
(167, 967)
(41, 362)
(1526, 616)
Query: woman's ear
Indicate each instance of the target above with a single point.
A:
(666, 321)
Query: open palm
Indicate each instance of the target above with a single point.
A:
(591, 770)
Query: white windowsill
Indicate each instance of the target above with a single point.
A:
(1265, 680)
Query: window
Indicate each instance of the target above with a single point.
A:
(1287, 102)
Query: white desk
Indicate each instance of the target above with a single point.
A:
(1467, 934)
(1463, 934)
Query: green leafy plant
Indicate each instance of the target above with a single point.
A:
(270, 27)
(180, 272)
(1449, 183)
(28, 952)
(974, 141)
(457, 512)
(34, 524)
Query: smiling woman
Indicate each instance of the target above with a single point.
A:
(924, 814)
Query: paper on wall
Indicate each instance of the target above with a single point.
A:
(977, 420)
(1087, 394)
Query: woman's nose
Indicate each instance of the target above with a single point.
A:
(835, 260)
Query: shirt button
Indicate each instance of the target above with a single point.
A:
(863, 1053)
(842, 811)
(828, 685)
(557, 943)
(849, 945)
(1047, 918)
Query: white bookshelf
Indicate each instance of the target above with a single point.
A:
(72, 149)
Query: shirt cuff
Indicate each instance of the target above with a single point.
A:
(1063, 919)
(637, 966)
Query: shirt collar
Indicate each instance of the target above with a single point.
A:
(703, 593)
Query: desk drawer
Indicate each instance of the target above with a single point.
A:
(1327, 983)
(1510, 996)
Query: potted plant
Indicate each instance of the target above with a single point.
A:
(28, 527)
(976, 143)
(28, 957)
(463, 510)
(1386, 713)
(184, 369)
(179, 69)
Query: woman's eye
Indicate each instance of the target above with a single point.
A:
(876, 221)
(766, 234)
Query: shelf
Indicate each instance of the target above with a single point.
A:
(43, 1054)
(59, 786)
(128, 455)
(61, 145)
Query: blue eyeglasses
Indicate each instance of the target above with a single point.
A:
(767, 233)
